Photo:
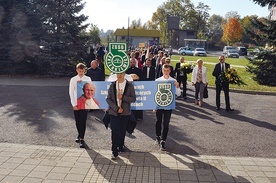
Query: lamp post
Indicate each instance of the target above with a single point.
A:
(127, 34)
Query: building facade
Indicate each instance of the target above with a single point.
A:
(272, 15)
(136, 37)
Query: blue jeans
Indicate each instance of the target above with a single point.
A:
(118, 126)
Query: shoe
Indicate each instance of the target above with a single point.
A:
(200, 104)
(114, 155)
(196, 102)
(163, 145)
(217, 108)
(228, 110)
(121, 149)
(158, 139)
(77, 140)
(82, 144)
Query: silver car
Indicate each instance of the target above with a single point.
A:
(200, 52)
(232, 53)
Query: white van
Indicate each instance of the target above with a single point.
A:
(226, 48)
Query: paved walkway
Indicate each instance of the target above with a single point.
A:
(34, 163)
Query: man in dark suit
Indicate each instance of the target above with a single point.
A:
(219, 68)
(138, 114)
(134, 70)
(181, 76)
(95, 72)
(148, 72)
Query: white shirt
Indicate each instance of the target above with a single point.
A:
(148, 70)
(222, 65)
(113, 77)
(120, 88)
(177, 90)
(73, 87)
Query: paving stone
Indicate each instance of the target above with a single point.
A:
(270, 174)
(5, 171)
(11, 178)
(38, 174)
(225, 178)
(32, 180)
(56, 176)
(206, 178)
(74, 177)
(19, 172)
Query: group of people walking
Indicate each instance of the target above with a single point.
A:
(121, 94)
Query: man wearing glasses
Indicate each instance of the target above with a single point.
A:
(219, 68)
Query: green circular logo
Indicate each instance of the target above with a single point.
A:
(117, 61)
(164, 95)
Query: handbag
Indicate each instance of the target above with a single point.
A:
(205, 93)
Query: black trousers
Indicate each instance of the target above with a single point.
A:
(163, 117)
(225, 88)
(183, 80)
(80, 118)
(118, 126)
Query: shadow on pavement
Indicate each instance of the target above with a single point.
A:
(157, 167)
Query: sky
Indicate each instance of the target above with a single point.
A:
(113, 14)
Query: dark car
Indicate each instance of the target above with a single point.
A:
(242, 51)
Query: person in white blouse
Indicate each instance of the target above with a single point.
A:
(79, 114)
(199, 80)
(162, 115)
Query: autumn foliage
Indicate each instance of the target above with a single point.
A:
(232, 31)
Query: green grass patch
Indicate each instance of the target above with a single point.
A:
(209, 64)
(245, 76)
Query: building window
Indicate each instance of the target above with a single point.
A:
(190, 33)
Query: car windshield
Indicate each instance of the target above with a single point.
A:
(200, 49)
(233, 51)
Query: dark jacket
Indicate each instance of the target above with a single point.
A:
(96, 74)
(217, 69)
(177, 72)
(159, 72)
(151, 73)
(135, 70)
(128, 97)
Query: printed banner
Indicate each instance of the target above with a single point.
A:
(150, 95)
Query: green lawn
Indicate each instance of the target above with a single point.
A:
(246, 77)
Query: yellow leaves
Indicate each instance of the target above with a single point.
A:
(232, 31)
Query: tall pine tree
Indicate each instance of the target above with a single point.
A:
(263, 66)
(63, 42)
(18, 45)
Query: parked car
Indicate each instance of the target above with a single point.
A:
(226, 48)
(200, 52)
(233, 53)
(180, 48)
(186, 51)
(242, 51)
